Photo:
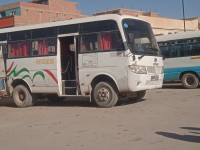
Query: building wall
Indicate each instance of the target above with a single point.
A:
(170, 26)
(33, 13)
(38, 13)
(10, 12)
(160, 25)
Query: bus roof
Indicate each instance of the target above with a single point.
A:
(178, 36)
(68, 22)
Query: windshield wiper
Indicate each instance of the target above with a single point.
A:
(148, 51)
(152, 48)
(141, 56)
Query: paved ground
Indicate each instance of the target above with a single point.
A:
(167, 119)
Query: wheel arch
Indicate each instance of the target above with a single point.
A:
(105, 78)
(193, 72)
(17, 82)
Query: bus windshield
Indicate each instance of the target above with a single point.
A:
(140, 37)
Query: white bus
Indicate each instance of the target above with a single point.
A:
(182, 57)
(104, 57)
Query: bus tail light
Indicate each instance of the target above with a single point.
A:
(138, 69)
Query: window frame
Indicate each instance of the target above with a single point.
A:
(9, 49)
(98, 42)
(43, 39)
(182, 43)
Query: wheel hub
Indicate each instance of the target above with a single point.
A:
(21, 96)
(103, 95)
(190, 80)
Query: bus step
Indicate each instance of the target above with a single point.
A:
(69, 83)
(70, 91)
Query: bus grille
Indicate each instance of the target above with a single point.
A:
(154, 69)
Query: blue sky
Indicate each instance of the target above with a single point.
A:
(165, 8)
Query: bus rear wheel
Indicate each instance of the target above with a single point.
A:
(22, 96)
(190, 81)
(105, 95)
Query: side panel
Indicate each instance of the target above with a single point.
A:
(40, 73)
(175, 66)
(112, 64)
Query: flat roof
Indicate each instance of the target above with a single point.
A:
(178, 36)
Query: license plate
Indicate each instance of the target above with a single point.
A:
(154, 78)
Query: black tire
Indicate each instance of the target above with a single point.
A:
(22, 96)
(190, 81)
(53, 98)
(139, 97)
(104, 95)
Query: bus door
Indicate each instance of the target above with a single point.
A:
(2, 60)
(3, 50)
(68, 57)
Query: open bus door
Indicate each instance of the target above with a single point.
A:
(69, 51)
(2, 67)
(2, 60)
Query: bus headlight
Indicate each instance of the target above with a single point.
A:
(138, 69)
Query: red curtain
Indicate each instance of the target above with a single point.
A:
(24, 49)
(106, 41)
(46, 47)
(14, 50)
(40, 47)
(21, 49)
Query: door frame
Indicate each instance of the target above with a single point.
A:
(76, 39)
(2, 59)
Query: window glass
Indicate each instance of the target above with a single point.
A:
(176, 50)
(20, 35)
(140, 37)
(165, 51)
(89, 43)
(192, 49)
(68, 29)
(43, 47)
(3, 37)
(110, 41)
(19, 49)
(98, 26)
(43, 33)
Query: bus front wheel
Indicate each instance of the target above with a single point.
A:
(22, 96)
(105, 95)
(190, 81)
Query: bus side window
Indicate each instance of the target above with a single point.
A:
(34, 48)
(43, 47)
(176, 50)
(165, 51)
(110, 41)
(89, 43)
(18, 49)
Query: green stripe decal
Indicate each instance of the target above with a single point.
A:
(15, 74)
(38, 73)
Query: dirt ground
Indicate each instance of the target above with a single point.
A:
(167, 119)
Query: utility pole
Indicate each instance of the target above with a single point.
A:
(183, 14)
